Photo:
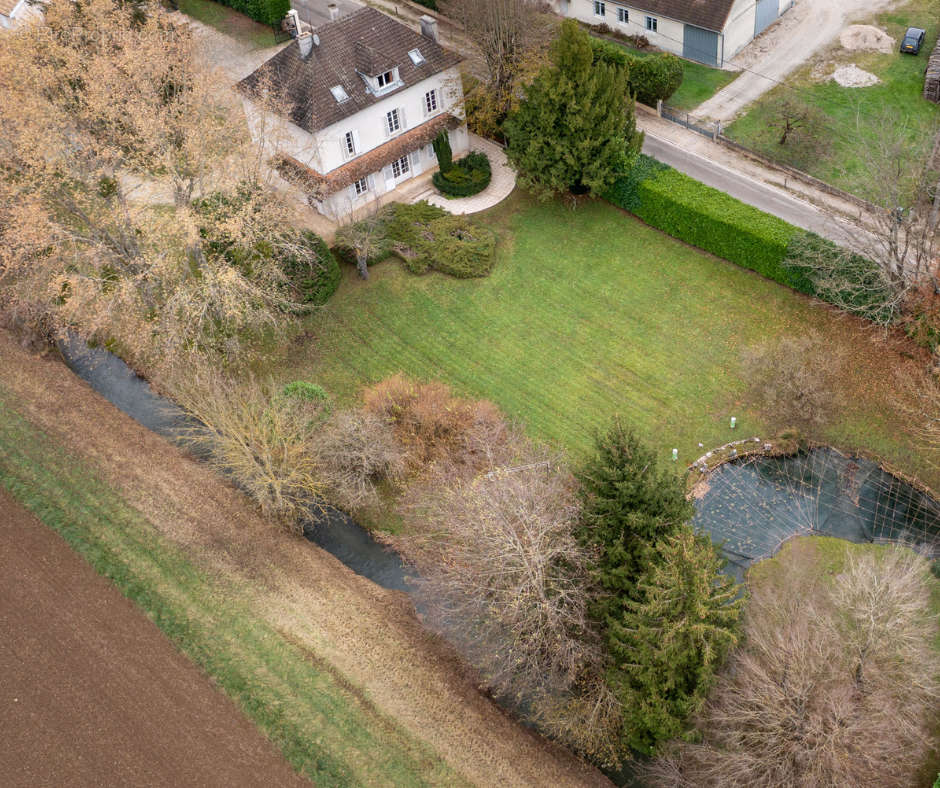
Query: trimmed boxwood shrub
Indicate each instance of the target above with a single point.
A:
(465, 177)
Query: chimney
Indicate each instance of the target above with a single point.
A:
(429, 27)
(305, 44)
(334, 11)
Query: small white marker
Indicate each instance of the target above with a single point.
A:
(675, 455)
(733, 422)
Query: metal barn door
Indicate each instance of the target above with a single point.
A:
(766, 14)
(700, 45)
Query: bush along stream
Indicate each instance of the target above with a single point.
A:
(331, 529)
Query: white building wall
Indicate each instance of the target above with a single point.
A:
(739, 31)
(668, 35)
(369, 124)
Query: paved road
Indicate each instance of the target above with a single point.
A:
(760, 195)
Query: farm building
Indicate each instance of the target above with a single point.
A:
(708, 31)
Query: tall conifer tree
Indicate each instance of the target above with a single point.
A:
(575, 130)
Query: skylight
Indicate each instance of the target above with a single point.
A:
(339, 94)
(416, 57)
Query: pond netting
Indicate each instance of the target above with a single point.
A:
(752, 506)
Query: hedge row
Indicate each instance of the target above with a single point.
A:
(718, 223)
(268, 12)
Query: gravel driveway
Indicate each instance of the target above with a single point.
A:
(800, 33)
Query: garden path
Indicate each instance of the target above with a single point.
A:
(502, 183)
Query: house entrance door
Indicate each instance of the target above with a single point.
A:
(398, 171)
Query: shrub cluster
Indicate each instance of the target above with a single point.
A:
(426, 237)
(465, 177)
(650, 77)
(268, 12)
(636, 41)
(718, 223)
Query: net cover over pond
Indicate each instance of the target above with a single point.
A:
(752, 506)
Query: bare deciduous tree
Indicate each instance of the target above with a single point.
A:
(793, 380)
(837, 683)
(355, 450)
(257, 434)
(500, 551)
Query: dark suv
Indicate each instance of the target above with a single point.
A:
(913, 40)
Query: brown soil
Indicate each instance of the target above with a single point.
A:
(92, 692)
(368, 635)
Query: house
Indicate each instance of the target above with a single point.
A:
(364, 97)
(709, 31)
(15, 12)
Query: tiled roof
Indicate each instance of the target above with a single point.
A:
(710, 14)
(367, 41)
(367, 163)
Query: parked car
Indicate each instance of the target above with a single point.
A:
(913, 40)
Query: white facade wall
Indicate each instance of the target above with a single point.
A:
(369, 124)
(739, 31)
(21, 13)
(668, 35)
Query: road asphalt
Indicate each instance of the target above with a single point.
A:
(752, 192)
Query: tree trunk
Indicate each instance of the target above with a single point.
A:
(362, 266)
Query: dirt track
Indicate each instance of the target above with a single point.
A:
(92, 693)
(366, 634)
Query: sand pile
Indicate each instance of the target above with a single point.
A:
(867, 38)
(851, 76)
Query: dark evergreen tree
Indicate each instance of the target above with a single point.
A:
(575, 129)
(629, 503)
(673, 633)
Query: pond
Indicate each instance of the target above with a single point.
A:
(754, 505)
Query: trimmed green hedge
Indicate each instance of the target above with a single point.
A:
(651, 77)
(465, 177)
(313, 280)
(718, 223)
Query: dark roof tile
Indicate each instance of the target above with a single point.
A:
(367, 41)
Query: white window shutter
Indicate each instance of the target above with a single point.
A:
(356, 140)
(401, 118)
(385, 125)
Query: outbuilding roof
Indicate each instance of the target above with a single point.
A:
(710, 14)
(365, 42)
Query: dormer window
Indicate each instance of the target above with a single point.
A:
(386, 79)
(416, 57)
(339, 93)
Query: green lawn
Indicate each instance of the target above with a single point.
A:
(699, 82)
(230, 22)
(851, 118)
(323, 727)
(588, 313)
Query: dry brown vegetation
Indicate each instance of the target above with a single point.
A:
(794, 380)
(110, 129)
(368, 636)
(258, 436)
(837, 683)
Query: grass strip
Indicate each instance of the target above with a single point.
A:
(326, 731)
